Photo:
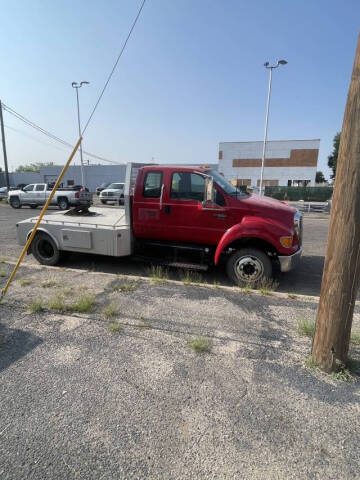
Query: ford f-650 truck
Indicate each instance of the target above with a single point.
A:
(187, 217)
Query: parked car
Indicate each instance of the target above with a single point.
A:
(3, 193)
(182, 217)
(37, 193)
(113, 193)
(101, 188)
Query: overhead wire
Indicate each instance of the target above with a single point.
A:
(51, 135)
(115, 65)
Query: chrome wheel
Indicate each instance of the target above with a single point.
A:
(248, 269)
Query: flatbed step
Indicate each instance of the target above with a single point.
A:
(170, 263)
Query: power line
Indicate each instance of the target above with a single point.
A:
(115, 65)
(51, 135)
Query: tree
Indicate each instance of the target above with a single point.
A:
(33, 167)
(332, 159)
(319, 178)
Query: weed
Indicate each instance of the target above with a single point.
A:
(48, 284)
(267, 286)
(126, 287)
(57, 303)
(2, 273)
(25, 281)
(342, 375)
(216, 284)
(306, 327)
(114, 327)
(2, 260)
(84, 304)
(246, 288)
(200, 344)
(355, 338)
(188, 277)
(292, 296)
(158, 274)
(36, 306)
(67, 291)
(310, 363)
(110, 311)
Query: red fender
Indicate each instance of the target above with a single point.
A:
(267, 229)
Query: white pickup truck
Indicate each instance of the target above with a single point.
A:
(37, 193)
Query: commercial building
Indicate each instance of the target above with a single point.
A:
(287, 162)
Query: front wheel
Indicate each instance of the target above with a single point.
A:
(249, 266)
(103, 202)
(15, 202)
(45, 250)
(63, 203)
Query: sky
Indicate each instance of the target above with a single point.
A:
(192, 75)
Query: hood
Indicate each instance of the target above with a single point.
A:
(11, 192)
(257, 205)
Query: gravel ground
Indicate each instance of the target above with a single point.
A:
(79, 401)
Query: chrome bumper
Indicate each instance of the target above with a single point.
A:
(290, 262)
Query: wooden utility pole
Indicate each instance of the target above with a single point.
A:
(4, 147)
(341, 277)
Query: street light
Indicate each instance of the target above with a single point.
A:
(77, 86)
(269, 67)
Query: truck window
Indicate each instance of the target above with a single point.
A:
(187, 186)
(29, 188)
(39, 188)
(152, 184)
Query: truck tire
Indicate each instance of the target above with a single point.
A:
(103, 202)
(63, 203)
(45, 250)
(15, 202)
(248, 266)
(33, 205)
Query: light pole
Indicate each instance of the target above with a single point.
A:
(269, 67)
(77, 86)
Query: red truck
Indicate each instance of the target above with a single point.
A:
(183, 216)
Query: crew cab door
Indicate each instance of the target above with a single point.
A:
(148, 214)
(185, 217)
(39, 193)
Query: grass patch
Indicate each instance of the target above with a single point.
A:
(188, 277)
(67, 291)
(114, 327)
(110, 311)
(343, 375)
(310, 363)
(48, 284)
(125, 287)
(200, 344)
(267, 286)
(36, 306)
(158, 274)
(246, 288)
(2, 273)
(292, 296)
(25, 281)
(355, 338)
(306, 327)
(84, 304)
(2, 260)
(57, 303)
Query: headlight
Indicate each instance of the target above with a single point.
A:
(298, 227)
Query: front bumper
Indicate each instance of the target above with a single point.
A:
(289, 262)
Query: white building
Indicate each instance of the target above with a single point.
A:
(287, 162)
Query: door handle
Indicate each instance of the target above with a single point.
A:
(167, 209)
(222, 216)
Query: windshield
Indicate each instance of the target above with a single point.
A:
(225, 185)
(116, 186)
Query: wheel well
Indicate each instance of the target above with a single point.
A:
(250, 242)
(62, 198)
(44, 232)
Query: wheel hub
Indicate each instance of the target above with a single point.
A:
(249, 269)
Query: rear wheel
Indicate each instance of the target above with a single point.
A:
(45, 250)
(103, 202)
(63, 203)
(15, 202)
(33, 205)
(249, 266)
